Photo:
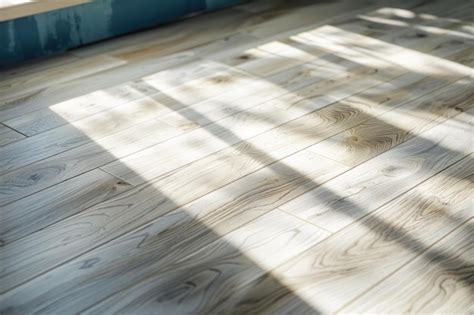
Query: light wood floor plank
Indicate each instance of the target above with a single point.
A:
(464, 57)
(364, 141)
(462, 70)
(106, 123)
(287, 48)
(144, 166)
(409, 59)
(8, 185)
(190, 33)
(56, 203)
(434, 14)
(127, 72)
(270, 58)
(154, 281)
(386, 176)
(308, 15)
(81, 160)
(30, 84)
(437, 281)
(43, 174)
(237, 258)
(36, 66)
(75, 109)
(203, 220)
(418, 35)
(8, 135)
(18, 183)
(180, 189)
(60, 92)
(205, 171)
(218, 25)
(329, 275)
(81, 107)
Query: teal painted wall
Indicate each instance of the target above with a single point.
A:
(57, 31)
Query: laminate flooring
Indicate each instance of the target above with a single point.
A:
(276, 157)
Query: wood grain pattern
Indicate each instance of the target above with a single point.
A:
(8, 135)
(75, 109)
(109, 122)
(222, 266)
(98, 154)
(395, 55)
(276, 157)
(292, 77)
(51, 171)
(276, 185)
(464, 57)
(341, 268)
(151, 152)
(144, 165)
(37, 66)
(302, 15)
(166, 40)
(17, 155)
(190, 33)
(20, 183)
(11, 88)
(127, 72)
(218, 25)
(55, 203)
(433, 17)
(380, 134)
(270, 58)
(386, 176)
(446, 37)
(308, 129)
(89, 104)
(440, 282)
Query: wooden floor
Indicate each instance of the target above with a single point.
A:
(280, 157)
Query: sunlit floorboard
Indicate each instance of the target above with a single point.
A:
(275, 157)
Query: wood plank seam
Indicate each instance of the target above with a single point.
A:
(190, 109)
(356, 222)
(426, 249)
(454, 157)
(141, 226)
(17, 131)
(309, 222)
(125, 232)
(439, 119)
(105, 171)
(415, 186)
(339, 233)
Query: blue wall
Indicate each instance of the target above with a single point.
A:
(56, 31)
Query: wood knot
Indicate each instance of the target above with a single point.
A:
(35, 177)
(353, 139)
(221, 79)
(244, 57)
